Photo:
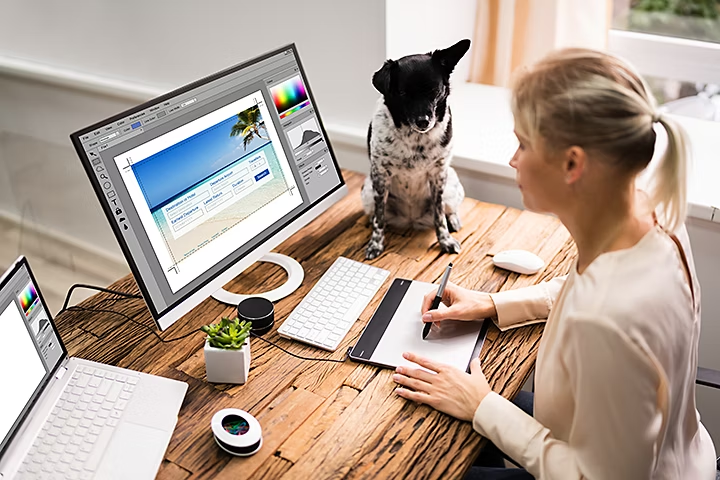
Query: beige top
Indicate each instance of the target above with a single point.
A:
(615, 373)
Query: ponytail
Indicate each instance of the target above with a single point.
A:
(668, 193)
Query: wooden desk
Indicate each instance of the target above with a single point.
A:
(329, 420)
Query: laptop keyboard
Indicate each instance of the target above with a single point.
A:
(78, 431)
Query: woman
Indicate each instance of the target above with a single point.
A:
(615, 374)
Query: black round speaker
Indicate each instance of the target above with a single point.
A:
(259, 311)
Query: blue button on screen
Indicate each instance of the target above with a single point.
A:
(262, 174)
(135, 125)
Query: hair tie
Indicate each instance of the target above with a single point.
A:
(656, 117)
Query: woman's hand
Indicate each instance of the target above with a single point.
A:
(447, 389)
(463, 304)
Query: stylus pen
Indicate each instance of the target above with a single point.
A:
(438, 298)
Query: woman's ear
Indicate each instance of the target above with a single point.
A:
(574, 164)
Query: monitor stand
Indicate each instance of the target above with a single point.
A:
(295, 275)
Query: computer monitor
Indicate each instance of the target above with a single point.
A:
(201, 182)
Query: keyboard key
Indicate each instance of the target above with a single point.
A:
(94, 382)
(83, 380)
(97, 452)
(133, 380)
(104, 387)
(115, 390)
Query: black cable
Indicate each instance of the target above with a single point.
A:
(313, 359)
(93, 287)
(128, 317)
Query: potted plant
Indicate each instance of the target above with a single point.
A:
(227, 351)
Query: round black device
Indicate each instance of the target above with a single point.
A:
(259, 311)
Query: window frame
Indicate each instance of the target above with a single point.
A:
(668, 57)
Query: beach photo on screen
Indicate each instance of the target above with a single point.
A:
(201, 187)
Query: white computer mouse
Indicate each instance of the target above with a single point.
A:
(519, 261)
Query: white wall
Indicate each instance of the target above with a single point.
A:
(167, 43)
(421, 26)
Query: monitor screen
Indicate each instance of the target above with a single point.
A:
(209, 174)
(30, 347)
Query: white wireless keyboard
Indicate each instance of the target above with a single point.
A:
(327, 312)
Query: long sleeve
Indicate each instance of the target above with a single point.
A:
(528, 305)
(618, 393)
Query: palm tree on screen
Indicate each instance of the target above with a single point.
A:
(249, 125)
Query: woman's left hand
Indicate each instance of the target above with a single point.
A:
(448, 389)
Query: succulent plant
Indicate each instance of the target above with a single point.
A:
(227, 334)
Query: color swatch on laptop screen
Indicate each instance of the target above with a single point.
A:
(289, 96)
(28, 299)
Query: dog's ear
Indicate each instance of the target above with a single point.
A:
(447, 59)
(381, 78)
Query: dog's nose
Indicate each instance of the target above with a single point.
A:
(422, 122)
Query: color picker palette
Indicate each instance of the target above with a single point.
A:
(28, 299)
(290, 96)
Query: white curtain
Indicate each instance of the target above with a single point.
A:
(511, 33)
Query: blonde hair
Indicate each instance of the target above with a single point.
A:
(590, 99)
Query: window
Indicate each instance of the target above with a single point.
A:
(676, 46)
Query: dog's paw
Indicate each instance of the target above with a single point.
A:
(453, 221)
(373, 250)
(449, 245)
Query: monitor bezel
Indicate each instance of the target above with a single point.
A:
(165, 318)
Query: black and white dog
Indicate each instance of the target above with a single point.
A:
(411, 182)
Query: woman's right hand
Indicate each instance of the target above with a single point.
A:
(463, 304)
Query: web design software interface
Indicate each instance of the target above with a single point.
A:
(212, 172)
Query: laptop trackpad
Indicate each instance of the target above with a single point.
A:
(135, 451)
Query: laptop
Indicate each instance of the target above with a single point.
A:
(64, 417)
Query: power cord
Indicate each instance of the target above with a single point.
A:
(93, 287)
(313, 359)
(129, 318)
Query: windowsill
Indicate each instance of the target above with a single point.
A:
(485, 142)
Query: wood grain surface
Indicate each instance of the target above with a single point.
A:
(329, 420)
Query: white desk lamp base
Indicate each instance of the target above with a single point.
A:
(295, 275)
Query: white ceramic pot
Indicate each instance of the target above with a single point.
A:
(227, 366)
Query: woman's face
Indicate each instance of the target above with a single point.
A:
(539, 177)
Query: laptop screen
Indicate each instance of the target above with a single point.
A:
(30, 347)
